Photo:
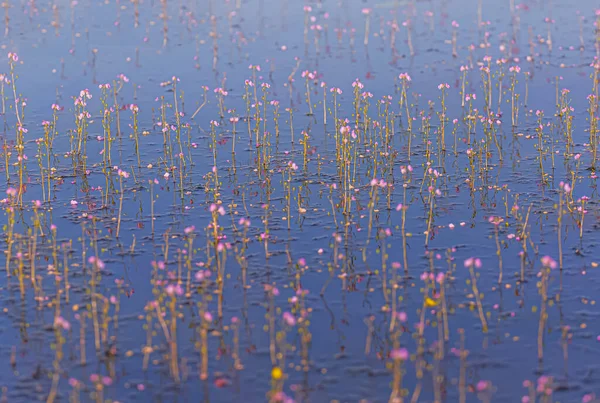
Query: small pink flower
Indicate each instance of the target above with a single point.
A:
(289, 319)
(547, 261)
(399, 354)
(473, 262)
(482, 385)
(60, 322)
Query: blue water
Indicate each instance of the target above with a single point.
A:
(64, 48)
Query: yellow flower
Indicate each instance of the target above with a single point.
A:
(430, 302)
(276, 373)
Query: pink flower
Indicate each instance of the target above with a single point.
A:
(547, 261)
(289, 319)
(93, 260)
(482, 385)
(542, 382)
(473, 262)
(399, 354)
(495, 220)
(172, 290)
(60, 322)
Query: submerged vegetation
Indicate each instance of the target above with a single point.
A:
(201, 205)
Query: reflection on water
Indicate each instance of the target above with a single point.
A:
(317, 201)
